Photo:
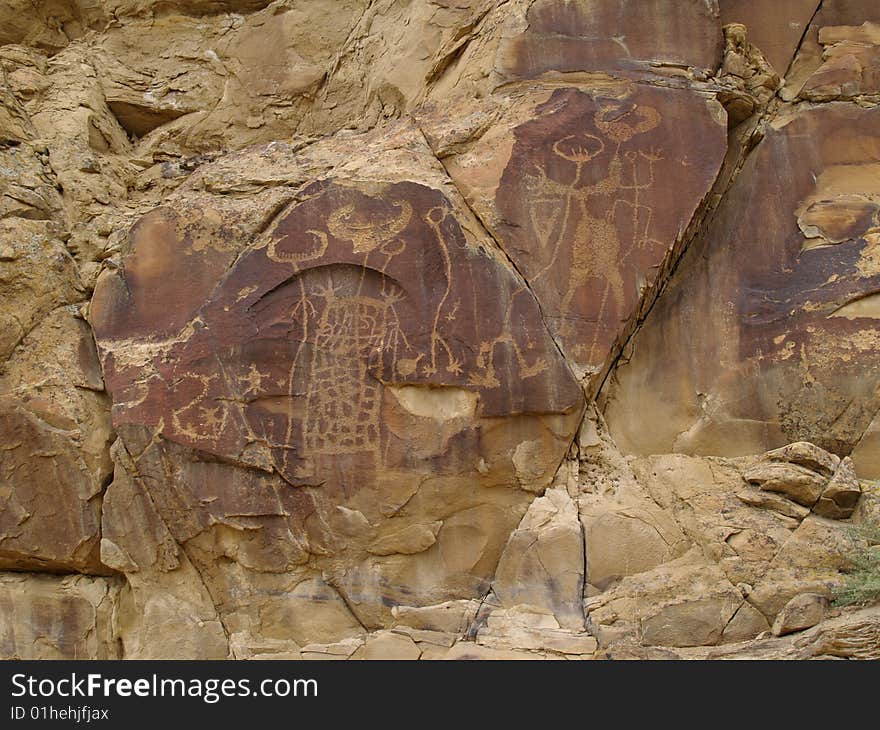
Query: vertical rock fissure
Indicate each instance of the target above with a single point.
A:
(745, 142)
(807, 29)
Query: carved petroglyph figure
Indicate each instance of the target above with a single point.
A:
(595, 240)
(351, 330)
(434, 218)
(368, 235)
(198, 419)
(297, 257)
(487, 377)
(343, 406)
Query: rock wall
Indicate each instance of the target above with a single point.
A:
(433, 329)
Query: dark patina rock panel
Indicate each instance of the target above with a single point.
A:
(768, 331)
(587, 192)
(565, 36)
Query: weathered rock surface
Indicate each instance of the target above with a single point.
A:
(784, 283)
(542, 565)
(801, 612)
(570, 184)
(835, 21)
(473, 329)
(50, 617)
(841, 495)
(320, 401)
(774, 26)
(559, 36)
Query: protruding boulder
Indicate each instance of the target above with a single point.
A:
(807, 455)
(802, 612)
(797, 482)
(840, 497)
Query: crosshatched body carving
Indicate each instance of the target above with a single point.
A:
(342, 413)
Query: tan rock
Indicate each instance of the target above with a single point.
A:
(839, 499)
(26, 188)
(389, 645)
(523, 627)
(261, 649)
(626, 529)
(465, 650)
(452, 617)
(396, 54)
(50, 25)
(854, 635)
(809, 562)
(764, 500)
(702, 494)
(686, 624)
(410, 540)
(774, 26)
(37, 275)
(807, 455)
(802, 485)
(621, 543)
(750, 81)
(190, 83)
(53, 617)
(425, 638)
(802, 612)
(686, 602)
(543, 564)
(166, 602)
(338, 650)
(747, 623)
(866, 454)
(628, 651)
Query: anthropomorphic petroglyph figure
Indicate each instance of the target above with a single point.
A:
(343, 406)
(356, 327)
(597, 252)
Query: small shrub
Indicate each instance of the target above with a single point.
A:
(862, 584)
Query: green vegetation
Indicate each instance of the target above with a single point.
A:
(862, 584)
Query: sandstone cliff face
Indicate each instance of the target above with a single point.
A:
(440, 329)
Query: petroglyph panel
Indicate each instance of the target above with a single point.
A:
(347, 292)
(318, 357)
(589, 193)
(768, 332)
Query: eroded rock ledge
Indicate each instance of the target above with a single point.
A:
(364, 329)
